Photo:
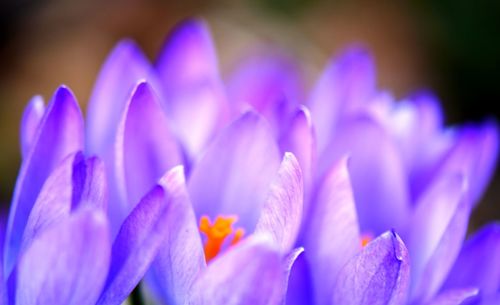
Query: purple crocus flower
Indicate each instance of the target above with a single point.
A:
(377, 165)
(404, 171)
(58, 248)
(264, 170)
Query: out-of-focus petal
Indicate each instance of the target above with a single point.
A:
(3, 287)
(438, 227)
(415, 123)
(264, 82)
(195, 97)
(474, 152)
(378, 275)
(454, 296)
(331, 235)
(478, 264)
(145, 147)
(377, 173)
(181, 258)
(281, 215)
(488, 137)
(491, 300)
(346, 83)
(300, 139)
(67, 264)
(250, 273)
(188, 55)
(32, 116)
(124, 67)
(136, 246)
(300, 291)
(234, 174)
(60, 133)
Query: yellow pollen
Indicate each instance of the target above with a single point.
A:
(365, 239)
(217, 233)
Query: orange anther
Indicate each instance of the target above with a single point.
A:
(217, 232)
(365, 239)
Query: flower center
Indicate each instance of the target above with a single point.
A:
(366, 238)
(217, 232)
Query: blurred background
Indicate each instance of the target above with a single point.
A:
(450, 46)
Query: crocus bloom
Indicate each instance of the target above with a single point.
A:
(58, 248)
(369, 165)
(364, 165)
(377, 165)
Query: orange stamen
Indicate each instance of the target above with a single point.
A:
(365, 239)
(217, 233)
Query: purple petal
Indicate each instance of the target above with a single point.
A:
(486, 158)
(3, 288)
(299, 291)
(188, 55)
(281, 214)
(477, 264)
(429, 110)
(280, 297)
(181, 258)
(54, 201)
(491, 300)
(264, 82)
(136, 246)
(90, 187)
(67, 264)
(438, 228)
(454, 297)
(474, 152)
(250, 273)
(347, 82)
(377, 173)
(75, 182)
(261, 81)
(60, 133)
(377, 275)
(124, 67)
(234, 174)
(32, 117)
(195, 98)
(415, 124)
(145, 147)
(332, 235)
(300, 139)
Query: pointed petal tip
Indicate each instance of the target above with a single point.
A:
(400, 250)
(63, 90)
(126, 47)
(290, 157)
(142, 87)
(174, 176)
(357, 52)
(196, 25)
(63, 94)
(37, 103)
(304, 113)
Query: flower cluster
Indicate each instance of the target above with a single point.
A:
(247, 190)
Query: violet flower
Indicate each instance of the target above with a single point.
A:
(376, 165)
(408, 172)
(58, 248)
(360, 166)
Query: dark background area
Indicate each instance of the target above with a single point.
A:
(452, 47)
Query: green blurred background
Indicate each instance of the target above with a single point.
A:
(452, 47)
